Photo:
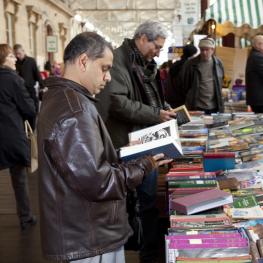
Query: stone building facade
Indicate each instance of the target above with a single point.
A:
(43, 27)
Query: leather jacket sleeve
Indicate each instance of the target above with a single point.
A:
(76, 151)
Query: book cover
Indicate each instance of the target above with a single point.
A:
(245, 202)
(182, 115)
(161, 138)
(202, 201)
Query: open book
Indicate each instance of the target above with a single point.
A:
(182, 115)
(161, 138)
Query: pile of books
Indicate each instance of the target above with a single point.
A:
(207, 245)
(216, 203)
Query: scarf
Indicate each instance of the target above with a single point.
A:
(146, 73)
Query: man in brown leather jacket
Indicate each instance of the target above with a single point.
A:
(83, 185)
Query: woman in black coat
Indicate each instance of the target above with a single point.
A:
(15, 107)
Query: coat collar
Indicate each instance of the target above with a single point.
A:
(58, 82)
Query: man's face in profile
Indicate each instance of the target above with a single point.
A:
(151, 49)
(97, 72)
(20, 53)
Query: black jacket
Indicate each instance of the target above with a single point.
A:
(83, 186)
(28, 70)
(15, 107)
(191, 80)
(254, 78)
(122, 102)
(174, 92)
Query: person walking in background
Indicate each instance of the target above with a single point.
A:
(83, 185)
(27, 68)
(174, 91)
(16, 106)
(134, 100)
(203, 80)
(254, 75)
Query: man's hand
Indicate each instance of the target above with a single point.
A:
(158, 158)
(166, 115)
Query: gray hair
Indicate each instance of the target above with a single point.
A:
(256, 38)
(152, 30)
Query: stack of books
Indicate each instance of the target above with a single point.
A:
(225, 245)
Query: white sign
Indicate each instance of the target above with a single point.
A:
(190, 12)
(52, 44)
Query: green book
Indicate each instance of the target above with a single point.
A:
(245, 202)
(192, 183)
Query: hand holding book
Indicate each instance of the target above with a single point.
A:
(166, 115)
(159, 159)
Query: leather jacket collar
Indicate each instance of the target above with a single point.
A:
(57, 82)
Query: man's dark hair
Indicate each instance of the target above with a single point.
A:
(17, 46)
(87, 42)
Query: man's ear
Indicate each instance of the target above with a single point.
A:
(82, 61)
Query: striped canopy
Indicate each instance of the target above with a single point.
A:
(238, 12)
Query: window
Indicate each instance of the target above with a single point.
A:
(10, 25)
(32, 39)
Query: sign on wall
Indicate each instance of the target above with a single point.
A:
(52, 44)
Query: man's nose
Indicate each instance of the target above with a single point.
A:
(107, 77)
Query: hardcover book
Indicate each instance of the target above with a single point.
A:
(202, 201)
(161, 138)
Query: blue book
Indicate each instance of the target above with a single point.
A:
(161, 138)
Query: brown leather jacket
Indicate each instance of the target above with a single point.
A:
(82, 184)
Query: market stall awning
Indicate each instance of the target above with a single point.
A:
(238, 12)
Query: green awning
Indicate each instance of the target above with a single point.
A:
(238, 12)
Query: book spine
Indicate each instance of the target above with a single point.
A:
(241, 244)
(192, 183)
(205, 236)
(199, 241)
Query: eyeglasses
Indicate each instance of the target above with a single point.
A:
(158, 47)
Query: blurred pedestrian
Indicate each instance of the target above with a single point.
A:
(203, 80)
(27, 68)
(174, 91)
(254, 75)
(16, 106)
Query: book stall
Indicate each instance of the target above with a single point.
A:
(214, 190)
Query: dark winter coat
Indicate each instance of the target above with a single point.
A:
(15, 107)
(83, 186)
(254, 79)
(191, 80)
(122, 102)
(174, 92)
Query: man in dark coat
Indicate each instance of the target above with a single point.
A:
(27, 68)
(254, 76)
(83, 186)
(132, 101)
(203, 80)
(174, 91)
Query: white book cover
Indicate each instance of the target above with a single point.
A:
(160, 138)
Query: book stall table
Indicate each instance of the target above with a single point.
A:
(236, 106)
(215, 191)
